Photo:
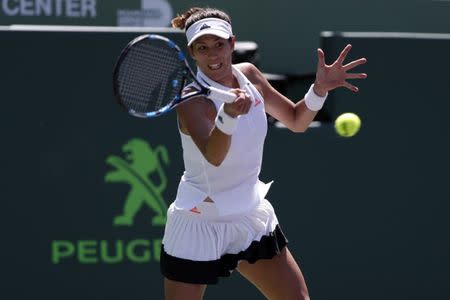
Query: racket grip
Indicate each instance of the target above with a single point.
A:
(224, 96)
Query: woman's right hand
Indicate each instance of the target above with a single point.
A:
(241, 104)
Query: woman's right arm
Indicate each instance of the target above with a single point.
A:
(197, 119)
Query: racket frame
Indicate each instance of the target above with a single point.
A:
(209, 92)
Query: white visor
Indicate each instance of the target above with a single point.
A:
(214, 26)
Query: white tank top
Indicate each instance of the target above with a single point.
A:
(234, 186)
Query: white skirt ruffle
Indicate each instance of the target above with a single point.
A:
(199, 246)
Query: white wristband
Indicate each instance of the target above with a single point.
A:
(226, 123)
(313, 101)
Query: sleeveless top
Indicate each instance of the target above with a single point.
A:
(234, 186)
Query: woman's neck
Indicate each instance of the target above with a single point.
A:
(231, 82)
(228, 80)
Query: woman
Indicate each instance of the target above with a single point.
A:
(220, 220)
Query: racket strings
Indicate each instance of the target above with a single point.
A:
(150, 76)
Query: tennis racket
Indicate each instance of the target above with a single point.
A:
(150, 74)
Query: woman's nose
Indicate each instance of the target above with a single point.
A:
(212, 52)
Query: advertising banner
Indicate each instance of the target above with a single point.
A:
(155, 13)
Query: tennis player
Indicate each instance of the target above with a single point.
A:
(220, 220)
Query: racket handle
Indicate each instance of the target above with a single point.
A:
(224, 96)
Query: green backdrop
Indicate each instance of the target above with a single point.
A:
(366, 217)
(287, 31)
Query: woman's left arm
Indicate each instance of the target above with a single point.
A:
(298, 116)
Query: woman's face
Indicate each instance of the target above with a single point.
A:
(213, 56)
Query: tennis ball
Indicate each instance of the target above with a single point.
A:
(347, 124)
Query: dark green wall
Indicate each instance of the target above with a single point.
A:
(366, 217)
(372, 219)
(286, 30)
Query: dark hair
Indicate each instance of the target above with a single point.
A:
(195, 14)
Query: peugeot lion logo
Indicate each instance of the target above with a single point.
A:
(140, 163)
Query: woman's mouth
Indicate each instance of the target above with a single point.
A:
(215, 66)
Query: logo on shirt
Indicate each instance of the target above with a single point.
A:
(195, 210)
(257, 102)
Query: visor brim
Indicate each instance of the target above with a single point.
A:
(211, 31)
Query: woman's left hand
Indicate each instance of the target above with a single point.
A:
(329, 77)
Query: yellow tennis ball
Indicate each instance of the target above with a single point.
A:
(347, 124)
